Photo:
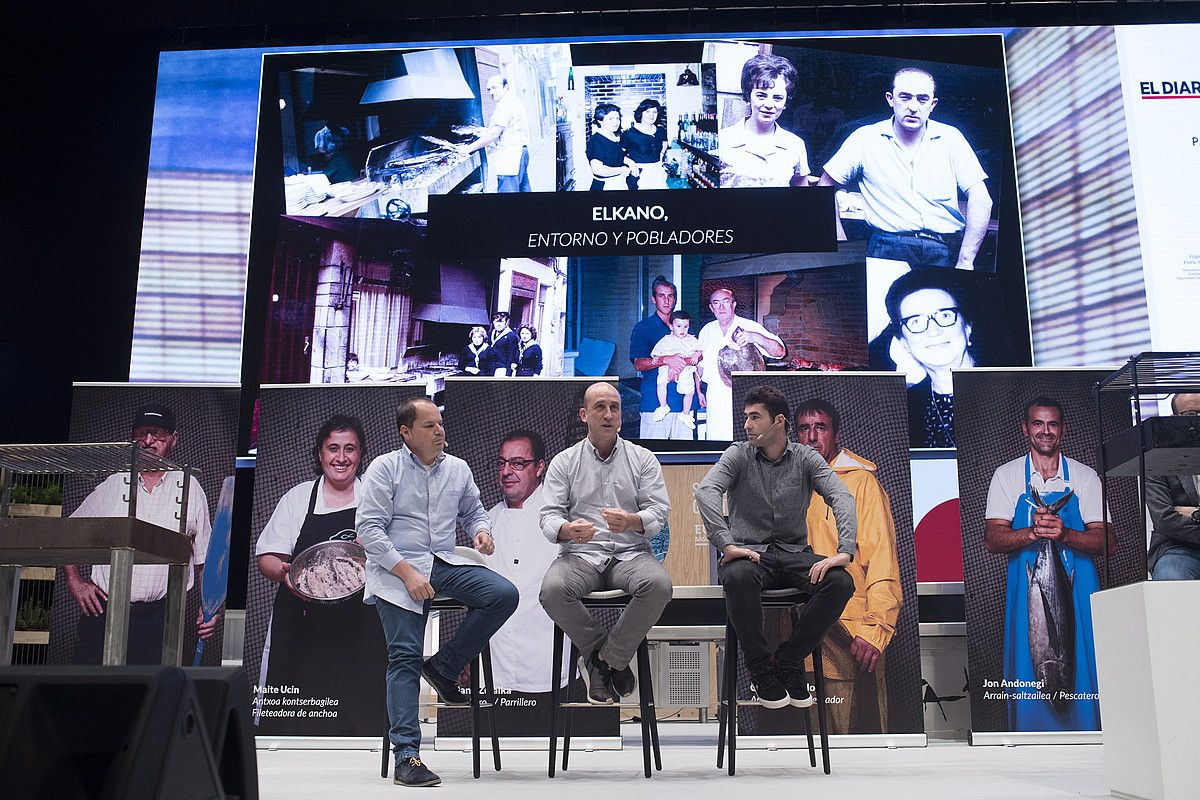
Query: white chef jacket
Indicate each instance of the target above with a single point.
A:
(522, 648)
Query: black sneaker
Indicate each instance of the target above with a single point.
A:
(412, 771)
(623, 681)
(796, 683)
(597, 677)
(769, 690)
(448, 691)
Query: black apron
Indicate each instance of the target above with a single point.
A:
(326, 651)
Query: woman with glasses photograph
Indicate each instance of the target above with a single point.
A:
(932, 321)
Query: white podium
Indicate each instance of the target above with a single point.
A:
(1147, 653)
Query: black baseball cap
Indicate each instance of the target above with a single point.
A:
(155, 415)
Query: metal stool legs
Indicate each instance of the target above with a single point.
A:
(489, 687)
(727, 710)
(648, 714)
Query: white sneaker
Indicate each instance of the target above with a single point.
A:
(661, 412)
(686, 419)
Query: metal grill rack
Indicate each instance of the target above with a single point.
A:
(119, 541)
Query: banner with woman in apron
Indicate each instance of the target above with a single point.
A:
(323, 661)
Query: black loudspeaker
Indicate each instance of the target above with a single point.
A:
(224, 695)
(114, 733)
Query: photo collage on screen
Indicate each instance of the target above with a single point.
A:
(367, 137)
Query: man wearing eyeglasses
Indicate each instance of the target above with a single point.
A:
(158, 501)
(910, 171)
(729, 340)
(1173, 502)
(522, 555)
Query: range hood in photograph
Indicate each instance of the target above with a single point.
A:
(432, 75)
(461, 299)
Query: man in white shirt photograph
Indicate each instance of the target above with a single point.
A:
(154, 429)
(508, 138)
(742, 340)
(522, 555)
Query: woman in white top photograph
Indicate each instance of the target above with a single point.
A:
(758, 151)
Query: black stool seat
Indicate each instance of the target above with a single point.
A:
(612, 598)
(728, 707)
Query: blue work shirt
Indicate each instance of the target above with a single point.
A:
(642, 338)
(408, 512)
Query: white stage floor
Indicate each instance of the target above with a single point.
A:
(942, 770)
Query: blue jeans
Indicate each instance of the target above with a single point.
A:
(1177, 564)
(510, 184)
(492, 600)
(915, 250)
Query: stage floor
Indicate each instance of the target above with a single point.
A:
(941, 770)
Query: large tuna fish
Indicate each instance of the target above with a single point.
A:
(1051, 616)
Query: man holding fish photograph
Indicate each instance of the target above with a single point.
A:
(1044, 511)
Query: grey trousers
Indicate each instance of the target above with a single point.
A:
(570, 577)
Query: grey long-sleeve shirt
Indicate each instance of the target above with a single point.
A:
(768, 500)
(579, 483)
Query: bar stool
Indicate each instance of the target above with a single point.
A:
(612, 598)
(728, 707)
(485, 656)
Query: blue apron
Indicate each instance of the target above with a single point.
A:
(1035, 714)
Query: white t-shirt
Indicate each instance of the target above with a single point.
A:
(110, 499)
(906, 190)
(1008, 484)
(672, 345)
(283, 528)
(506, 150)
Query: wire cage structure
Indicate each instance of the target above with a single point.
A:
(32, 534)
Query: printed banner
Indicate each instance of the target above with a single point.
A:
(858, 423)
(1033, 543)
(191, 425)
(1160, 85)
(315, 652)
(508, 432)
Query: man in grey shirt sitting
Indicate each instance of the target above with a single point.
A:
(603, 499)
(764, 543)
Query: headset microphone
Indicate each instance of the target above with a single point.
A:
(774, 425)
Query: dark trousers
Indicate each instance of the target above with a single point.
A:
(744, 581)
(146, 621)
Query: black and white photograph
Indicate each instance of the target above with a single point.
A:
(640, 126)
(913, 131)
(372, 134)
(360, 301)
(927, 323)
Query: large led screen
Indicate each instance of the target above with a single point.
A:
(383, 167)
(523, 210)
